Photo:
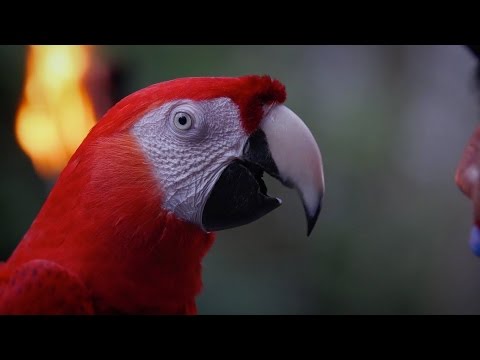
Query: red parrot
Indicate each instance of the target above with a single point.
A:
(131, 216)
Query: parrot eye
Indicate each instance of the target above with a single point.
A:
(182, 121)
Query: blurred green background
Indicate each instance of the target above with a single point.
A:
(391, 122)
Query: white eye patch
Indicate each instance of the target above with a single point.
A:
(189, 144)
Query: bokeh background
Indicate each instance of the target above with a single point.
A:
(391, 122)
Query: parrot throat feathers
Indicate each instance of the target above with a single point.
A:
(104, 221)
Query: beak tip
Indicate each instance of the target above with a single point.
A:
(312, 218)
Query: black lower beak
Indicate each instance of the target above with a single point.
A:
(240, 196)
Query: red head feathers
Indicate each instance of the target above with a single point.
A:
(251, 93)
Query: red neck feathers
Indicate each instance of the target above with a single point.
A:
(103, 220)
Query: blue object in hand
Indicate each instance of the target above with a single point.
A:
(475, 240)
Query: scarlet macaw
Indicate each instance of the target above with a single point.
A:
(126, 226)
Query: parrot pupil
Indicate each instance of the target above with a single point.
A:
(182, 120)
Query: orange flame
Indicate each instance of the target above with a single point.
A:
(56, 111)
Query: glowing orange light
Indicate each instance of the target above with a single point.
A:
(56, 111)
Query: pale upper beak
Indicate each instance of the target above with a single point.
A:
(297, 157)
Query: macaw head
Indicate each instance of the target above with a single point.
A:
(207, 142)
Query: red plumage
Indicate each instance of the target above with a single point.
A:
(250, 93)
(129, 253)
(102, 240)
